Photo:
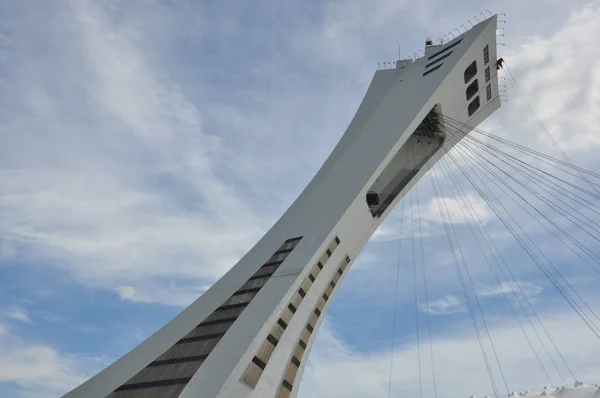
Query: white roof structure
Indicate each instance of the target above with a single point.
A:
(580, 390)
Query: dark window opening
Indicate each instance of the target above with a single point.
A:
(309, 328)
(287, 385)
(403, 167)
(301, 292)
(296, 361)
(488, 92)
(302, 344)
(311, 277)
(337, 240)
(282, 323)
(292, 308)
(445, 49)
(471, 71)
(486, 54)
(472, 89)
(487, 74)
(258, 362)
(438, 60)
(271, 339)
(473, 106)
(317, 312)
(433, 69)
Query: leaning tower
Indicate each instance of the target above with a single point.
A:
(250, 334)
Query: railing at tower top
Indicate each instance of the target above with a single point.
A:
(446, 37)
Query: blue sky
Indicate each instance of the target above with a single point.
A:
(147, 145)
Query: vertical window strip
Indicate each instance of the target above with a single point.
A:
(251, 375)
(486, 54)
(297, 356)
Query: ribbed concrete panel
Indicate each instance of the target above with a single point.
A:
(170, 372)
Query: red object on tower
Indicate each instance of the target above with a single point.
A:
(499, 63)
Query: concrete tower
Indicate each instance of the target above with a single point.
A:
(250, 334)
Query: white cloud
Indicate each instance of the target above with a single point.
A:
(458, 363)
(559, 76)
(116, 177)
(19, 314)
(93, 195)
(127, 293)
(458, 209)
(520, 287)
(448, 304)
(39, 370)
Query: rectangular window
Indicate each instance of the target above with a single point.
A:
(471, 71)
(287, 385)
(305, 335)
(264, 352)
(488, 92)
(299, 351)
(432, 69)
(271, 339)
(473, 106)
(277, 331)
(487, 74)
(252, 374)
(257, 361)
(438, 60)
(286, 315)
(472, 89)
(281, 323)
(443, 50)
(486, 54)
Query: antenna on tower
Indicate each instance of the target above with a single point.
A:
(477, 19)
(399, 52)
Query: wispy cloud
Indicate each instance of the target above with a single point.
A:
(19, 314)
(446, 305)
(509, 288)
(147, 147)
(459, 367)
(40, 370)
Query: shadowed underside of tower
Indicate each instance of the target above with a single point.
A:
(250, 334)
